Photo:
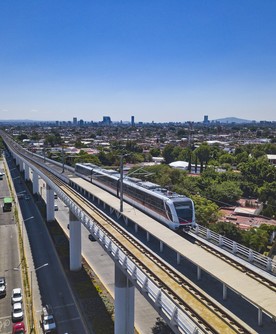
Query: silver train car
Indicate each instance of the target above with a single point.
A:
(174, 210)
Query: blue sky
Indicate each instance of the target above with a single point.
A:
(174, 60)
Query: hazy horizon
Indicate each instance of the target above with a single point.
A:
(158, 61)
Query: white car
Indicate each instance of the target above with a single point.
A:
(47, 322)
(16, 296)
(17, 312)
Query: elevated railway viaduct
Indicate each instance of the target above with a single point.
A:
(186, 307)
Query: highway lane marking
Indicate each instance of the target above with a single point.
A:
(71, 319)
(61, 306)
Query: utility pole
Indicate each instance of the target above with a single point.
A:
(62, 159)
(121, 182)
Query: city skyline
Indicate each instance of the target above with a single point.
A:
(159, 61)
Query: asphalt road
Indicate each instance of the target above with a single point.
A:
(52, 282)
(9, 258)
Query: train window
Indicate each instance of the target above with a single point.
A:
(184, 211)
(169, 213)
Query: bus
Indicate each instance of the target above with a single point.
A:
(7, 204)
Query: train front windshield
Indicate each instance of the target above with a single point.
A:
(184, 211)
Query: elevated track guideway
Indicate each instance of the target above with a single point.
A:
(193, 310)
(206, 314)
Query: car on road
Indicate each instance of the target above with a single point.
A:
(3, 287)
(27, 197)
(16, 296)
(47, 321)
(17, 312)
(18, 328)
(56, 207)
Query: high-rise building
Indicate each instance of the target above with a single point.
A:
(75, 121)
(106, 120)
(205, 120)
(132, 120)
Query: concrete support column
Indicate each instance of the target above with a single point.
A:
(148, 236)
(260, 317)
(178, 258)
(75, 242)
(21, 166)
(161, 246)
(50, 202)
(27, 172)
(224, 291)
(35, 183)
(198, 273)
(124, 303)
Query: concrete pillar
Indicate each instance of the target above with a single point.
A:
(124, 303)
(27, 172)
(224, 291)
(75, 242)
(260, 317)
(35, 183)
(161, 246)
(50, 202)
(198, 273)
(178, 258)
(21, 166)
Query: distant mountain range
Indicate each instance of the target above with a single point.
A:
(233, 120)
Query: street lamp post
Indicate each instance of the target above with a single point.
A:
(32, 298)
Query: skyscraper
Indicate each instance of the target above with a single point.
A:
(132, 120)
(75, 121)
(106, 120)
(205, 121)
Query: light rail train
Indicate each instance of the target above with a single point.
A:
(174, 210)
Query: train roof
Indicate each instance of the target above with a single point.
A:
(150, 186)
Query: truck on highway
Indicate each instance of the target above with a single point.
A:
(7, 204)
(47, 321)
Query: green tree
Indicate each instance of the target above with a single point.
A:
(258, 171)
(203, 154)
(53, 139)
(79, 144)
(227, 192)
(155, 152)
(168, 153)
(256, 239)
(226, 158)
(206, 211)
(228, 230)
(22, 136)
(241, 157)
(85, 157)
